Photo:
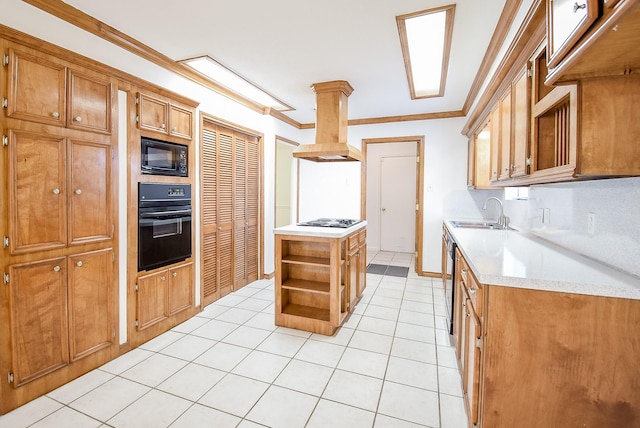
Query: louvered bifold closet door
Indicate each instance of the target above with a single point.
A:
(246, 200)
(225, 210)
(230, 204)
(210, 288)
(253, 210)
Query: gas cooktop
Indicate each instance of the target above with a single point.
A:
(330, 222)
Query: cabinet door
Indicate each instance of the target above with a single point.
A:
(362, 272)
(38, 319)
(521, 90)
(224, 219)
(505, 137)
(180, 120)
(472, 364)
(471, 163)
(89, 103)
(89, 192)
(36, 89)
(37, 192)
(91, 302)
(152, 113)
(567, 21)
(152, 299)
(351, 281)
(495, 143)
(180, 288)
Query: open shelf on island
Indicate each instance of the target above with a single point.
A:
(306, 285)
(306, 312)
(307, 260)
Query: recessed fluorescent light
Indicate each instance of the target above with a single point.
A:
(224, 76)
(425, 37)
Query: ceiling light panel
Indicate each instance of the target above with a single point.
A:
(221, 75)
(425, 38)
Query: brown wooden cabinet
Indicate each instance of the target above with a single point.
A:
(467, 332)
(44, 89)
(505, 139)
(163, 293)
(520, 117)
(69, 180)
(495, 134)
(61, 310)
(158, 114)
(535, 358)
(314, 280)
(89, 106)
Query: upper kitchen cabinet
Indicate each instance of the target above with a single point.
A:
(567, 21)
(601, 39)
(69, 180)
(42, 88)
(161, 115)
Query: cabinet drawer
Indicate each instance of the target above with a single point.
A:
(362, 237)
(472, 286)
(353, 242)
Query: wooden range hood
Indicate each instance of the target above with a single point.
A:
(331, 125)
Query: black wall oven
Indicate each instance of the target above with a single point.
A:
(164, 224)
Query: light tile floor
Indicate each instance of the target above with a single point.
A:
(390, 365)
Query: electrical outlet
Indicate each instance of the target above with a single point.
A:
(591, 223)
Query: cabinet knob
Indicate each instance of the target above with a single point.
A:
(174, 129)
(55, 114)
(56, 268)
(78, 192)
(219, 227)
(577, 6)
(79, 263)
(56, 191)
(78, 119)
(175, 274)
(506, 168)
(163, 278)
(163, 126)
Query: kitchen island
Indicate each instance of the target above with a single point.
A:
(320, 275)
(544, 336)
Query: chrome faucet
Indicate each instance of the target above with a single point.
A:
(502, 219)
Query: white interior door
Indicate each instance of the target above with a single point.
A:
(398, 203)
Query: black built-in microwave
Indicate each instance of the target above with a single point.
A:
(163, 158)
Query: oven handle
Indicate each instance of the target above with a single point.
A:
(163, 213)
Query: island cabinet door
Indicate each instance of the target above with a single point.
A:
(91, 300)
(38, 317)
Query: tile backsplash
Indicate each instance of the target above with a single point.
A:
(597, 218)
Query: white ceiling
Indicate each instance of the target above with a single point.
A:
(284, 46)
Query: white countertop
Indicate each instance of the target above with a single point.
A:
(517, 259)
(319, 232)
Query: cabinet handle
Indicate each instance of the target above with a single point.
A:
(577, 6)
(79, 264)
(506, 169)
(464, 273)
(55, 114)
(163, 126)
(162, 278)
(472, 291)
(56, 191)
(56, 268)
(219, 227)
(78, 119)
(174, 129)
(78, 192)
(175, 274)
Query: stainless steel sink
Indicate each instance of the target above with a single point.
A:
(477, 225)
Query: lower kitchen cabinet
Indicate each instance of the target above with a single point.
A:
(61, 310)
(318, 280)
(534, 358)
(163, 293)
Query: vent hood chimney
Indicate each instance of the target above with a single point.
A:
(331, 125)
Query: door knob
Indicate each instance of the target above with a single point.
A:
(384, 209)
